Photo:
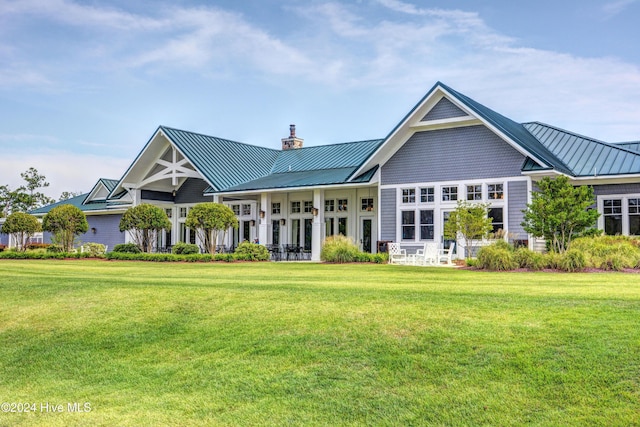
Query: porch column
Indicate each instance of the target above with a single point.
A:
(263, 231)
(318, 223)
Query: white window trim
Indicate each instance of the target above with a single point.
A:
(625, 209)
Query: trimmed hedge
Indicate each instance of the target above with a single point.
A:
(39, 254)
(247, 251)
(182, 248)
(127, 248)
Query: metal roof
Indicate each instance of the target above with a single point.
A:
(78, 202)
(223, 163)
(633, 145)
(296, 179)
(586, 156)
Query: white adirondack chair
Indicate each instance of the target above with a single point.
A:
(445, 254)
(428, 255)
(397, 255)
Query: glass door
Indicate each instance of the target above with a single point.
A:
(446, 242)
(366, 234)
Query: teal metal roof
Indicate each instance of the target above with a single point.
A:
(334, 156)
(78, 202)
(515, 131)
(223, 163)
(297, 179)
(586, 156)
(633, 145)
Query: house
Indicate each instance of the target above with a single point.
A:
(399, 188)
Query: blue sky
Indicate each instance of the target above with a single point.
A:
(84, 84)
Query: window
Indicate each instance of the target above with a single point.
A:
(449, 194)
(408, 195)
(169, 212)
(275, 231)
(308, 206)
(246, 209)
(342, 205)
(275, 208)
(497, 223)
(474, 192)
(342, 226)
(408, 225)
(612, 213)
(496, 191)
(367, 204)
(427, 195)
(183, 212)
(426, 225)
(235, 209)
(295, 207)
(329, 206)
(328, 223)
(634, 217)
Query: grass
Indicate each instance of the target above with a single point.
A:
(277, 343)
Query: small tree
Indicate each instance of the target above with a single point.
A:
(470, 221)
(65, 222)
(210, 220)
(144, 222)
(22, 227)
(25, 197)
(558, 212)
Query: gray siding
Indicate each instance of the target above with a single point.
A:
(156, 195)
(107, 231)
(444, 109)
(517, 202)
(388, 214)
(4, 239)
(616, 189)
(191, 192)
(472, 152)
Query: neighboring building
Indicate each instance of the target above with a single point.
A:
(400, 188)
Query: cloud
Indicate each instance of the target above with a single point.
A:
(614, 8)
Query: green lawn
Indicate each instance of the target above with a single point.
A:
(277, 343)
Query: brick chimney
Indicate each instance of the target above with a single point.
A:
(292, 141)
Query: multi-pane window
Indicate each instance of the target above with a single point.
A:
(183, 212)
(275, 208)
(408, 195)
(495, 191)
(246, 209)
(308, 206)
(497, 221)
(408, 225)
(612, 212)
(427, 195)
(235, 209)
(169, 212)
(449, 194)
(295, 207)
(634, 217)
(474, 192)
(329, 206)
(426, 225)
(342, 205)
(367, 204)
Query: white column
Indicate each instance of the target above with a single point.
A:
(263, 231)
(318, 222)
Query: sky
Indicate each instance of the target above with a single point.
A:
(85, 84)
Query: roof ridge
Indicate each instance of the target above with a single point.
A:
(334, 144)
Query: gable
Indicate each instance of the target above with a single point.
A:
(470, 152)
(444, 109)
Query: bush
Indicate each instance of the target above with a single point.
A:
(339, 249)
(609, 252)
(2, 247)
(127, 248)
(55, 248)
(34, 246)
(94, 249)
(182, 248)
(572, 260)
(497, 258)
(247, 251)
(529, 259)
(503, 244)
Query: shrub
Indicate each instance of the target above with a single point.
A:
(55, 248)
(609, 252)
(339, 249)
(529, 259)
(182, 248)
(34, 246)
(572, 260)
(247, 251)
(2, 247)
(94, 249)
(503, 244)
(127, 248)
(496, 258)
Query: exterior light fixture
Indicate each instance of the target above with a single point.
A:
(314, 211)
(262, 213)
(253, 222)
(93, 230)
(283, 221)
